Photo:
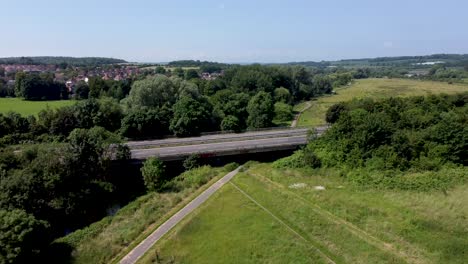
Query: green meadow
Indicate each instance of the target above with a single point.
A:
(27, 108)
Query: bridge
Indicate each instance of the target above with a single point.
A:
(221, 144)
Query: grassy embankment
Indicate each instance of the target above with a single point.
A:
(27, 108)
(377, 89)
(298, 224)
(111, 238)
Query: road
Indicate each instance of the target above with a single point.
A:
(146, 244)
(220, 149)
(217, 138)
(221, 144)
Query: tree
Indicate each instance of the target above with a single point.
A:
(160, 70)
(252, 79)
(283, 112)
(96, 86)
(261, 110)
(21, 235)
(178, 72)
(191, 74)
(153, 172)
(82, 90)
(110, 114)
(153, 123)
(231, 123)
(334, 112)
(19, 77)
(282, 95)
(35, 87)
(191, 116)
(151, 92)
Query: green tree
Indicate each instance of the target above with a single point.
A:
(178, 72)
(21, 235)
(191, 74)
(191, 116)
(151, 92)
(152, 123)
(82, 90)
(283, 112)
(19, 77)
(334, 112)
(231, 123)
(96, 86)
(282, 95)
(160, 70)
(261, 110)
(153, 172)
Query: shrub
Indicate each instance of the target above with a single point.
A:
(191, 162)
(153, 171)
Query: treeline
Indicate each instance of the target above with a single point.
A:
(245, 97)
(205, 66)
(39, 87)
(72, 61)
(380, 143)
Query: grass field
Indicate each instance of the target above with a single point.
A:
(278, 216)
(375, 88)
(26, 108)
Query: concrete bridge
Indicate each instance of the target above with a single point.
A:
(221, 144)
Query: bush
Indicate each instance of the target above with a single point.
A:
(153, 171)
(300, 159)
(334, 112)
(231, 166)
(192, 178)
(191, 162)
(283, 112)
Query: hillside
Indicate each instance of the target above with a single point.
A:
(84, 61)
(447, 59)
(376, 89)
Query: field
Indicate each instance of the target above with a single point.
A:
(27, 108)
(375, 88)
(279, 216)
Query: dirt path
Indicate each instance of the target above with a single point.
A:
(147, 243)
(298, 115)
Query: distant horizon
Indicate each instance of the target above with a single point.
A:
(245, 62)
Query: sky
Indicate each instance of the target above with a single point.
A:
(232, 31)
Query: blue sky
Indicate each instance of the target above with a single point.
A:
(233, 31)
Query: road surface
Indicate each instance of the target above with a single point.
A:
(146, 244)
(217, 138)
(220, 149)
